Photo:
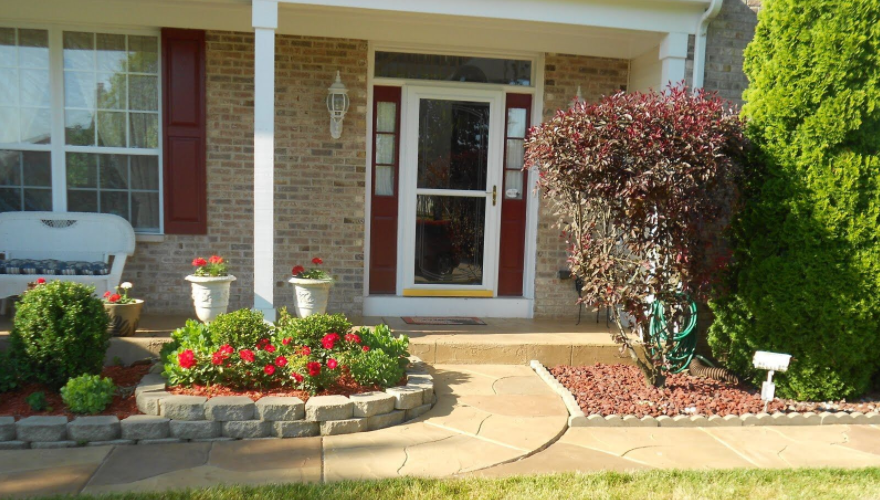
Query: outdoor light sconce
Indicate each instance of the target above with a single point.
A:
(337, 105)
(772, 362)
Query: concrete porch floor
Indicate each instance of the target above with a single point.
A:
(504, 341)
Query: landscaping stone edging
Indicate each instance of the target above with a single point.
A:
(169, 418)
(577, 418)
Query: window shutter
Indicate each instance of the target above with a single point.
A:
(384, 197)
(183, 129)
(513, 205)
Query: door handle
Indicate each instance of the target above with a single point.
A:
(494, 195)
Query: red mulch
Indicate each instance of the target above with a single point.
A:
(14, 404)
(622, 390)
(345, 386)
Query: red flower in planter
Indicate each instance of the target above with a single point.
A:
(286, 341)
(353, 337)
(107, 294)
(297, 269)
(296, 376)
(317, 261)
(329, 340)
(366, 348)
(269, 369)
(246, 355)
(215, 259)
(186, 359)
(199, 262)
(114, 298)
(41, 281)
(217, 358)
(306, 351)
(314, 368)
(280, 361)
(332, 364)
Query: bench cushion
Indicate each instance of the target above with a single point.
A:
(53, 267)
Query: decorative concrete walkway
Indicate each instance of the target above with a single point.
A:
(490, 420)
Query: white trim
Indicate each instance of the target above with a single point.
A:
(498, 307)
(531, 249)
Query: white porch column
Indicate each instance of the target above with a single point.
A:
(673, 54)
(265, 21)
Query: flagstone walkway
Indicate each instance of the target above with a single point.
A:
(490, 420)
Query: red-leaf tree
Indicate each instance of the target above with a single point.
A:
(643, 185)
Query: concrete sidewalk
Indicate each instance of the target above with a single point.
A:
(488, 421)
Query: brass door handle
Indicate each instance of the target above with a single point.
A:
(494, 195)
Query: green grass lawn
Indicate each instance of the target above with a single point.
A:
(731, 484)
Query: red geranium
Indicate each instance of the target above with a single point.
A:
(199, 262)
(280, 361)
(41, 281)
(107, 294)
(270, 348)
(366, 348)
(296, 376)
(296, 270)
(353, 337)
(269, 369)
(114, 298)
(262, 343)
(317, 261)
(215, 259)
(226, 349)
(329, 340)
(332, 364)
(246, 355)
(286, 341)
(217, 358)
(306, 351)
(314, 368)
(186, 359)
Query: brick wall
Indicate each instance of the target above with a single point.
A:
(319, 193)
(562, 75)
(728, 35)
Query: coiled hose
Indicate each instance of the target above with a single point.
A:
(682, 343)
(698, 368)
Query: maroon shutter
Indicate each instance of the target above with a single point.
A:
(385, 174)
(183, 129)
(513, 208)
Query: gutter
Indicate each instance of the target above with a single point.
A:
(700, 43)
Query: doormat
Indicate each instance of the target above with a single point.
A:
(442, 321)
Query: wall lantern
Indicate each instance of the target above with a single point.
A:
(337, 105)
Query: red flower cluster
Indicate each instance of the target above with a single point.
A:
(246, 355)
(110, 296)
(332, 364)
(353, 337)
(222, 354)
(286, 341)
(366, 348)
(187, 359)
(199, 262)
(297, 269)
(297, 377)
(314, 368)
(329, 340)
(305, 351)
(280, 361)
(41, 281)
(215, 259)
(265, 345)
(317, 261)
(269, 369)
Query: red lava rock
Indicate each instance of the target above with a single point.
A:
(621, 390)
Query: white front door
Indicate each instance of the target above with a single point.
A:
(450, 202)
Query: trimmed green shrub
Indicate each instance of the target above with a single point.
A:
(806, 273)
(37, 401)
(240, 328)
(381, 337)
(88, 394)
(9, 372)
(59, 332)
(310, 330)
(376, 367)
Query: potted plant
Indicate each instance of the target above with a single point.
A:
(210, 287)
(124, 311)
(311, 288)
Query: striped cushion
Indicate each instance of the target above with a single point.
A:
(53, 267)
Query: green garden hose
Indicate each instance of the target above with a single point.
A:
(684, 341)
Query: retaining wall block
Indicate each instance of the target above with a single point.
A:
(183, 407)
(41, 429)
(416, 412)
(14, 445)
(384, 420)
(98, 428)
(51, 445)
(115, 442)
(160, 441)
(152, 382)
(138, 427)
(407, 397)
(229, 408)
(839, 418)
(371, 403)
(725, 421)
(277, 408)
(244, 429)
(197, 429)
(347, 426)
(295, 428)
(7, 428)
(323, 408)
(148, 401)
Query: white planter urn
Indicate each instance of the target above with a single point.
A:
(311, 295)
(210, 295)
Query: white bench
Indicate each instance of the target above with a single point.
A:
(70, 245)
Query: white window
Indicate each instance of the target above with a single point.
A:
(79, 123)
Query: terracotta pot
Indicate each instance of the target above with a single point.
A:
(210, 295)
(311, 295)
(124, 318)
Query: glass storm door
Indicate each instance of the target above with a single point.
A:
(452, 204)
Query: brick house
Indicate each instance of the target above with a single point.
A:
(205, 124)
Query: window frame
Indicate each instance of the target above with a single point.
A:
(57, 146)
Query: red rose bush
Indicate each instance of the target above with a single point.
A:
(241, 351)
